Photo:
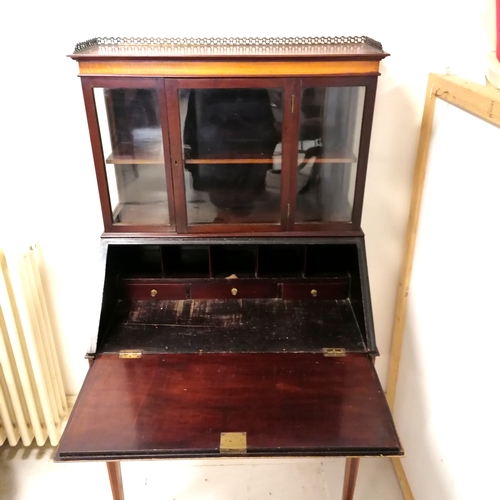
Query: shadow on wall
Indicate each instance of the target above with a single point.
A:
(385, 213)
(415, 429)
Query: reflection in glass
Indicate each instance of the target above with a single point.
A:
(132, 144)
(232, 154)
(329, 137)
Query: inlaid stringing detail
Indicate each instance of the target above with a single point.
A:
(227, 42)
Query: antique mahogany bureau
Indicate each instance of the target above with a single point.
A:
(236, 316)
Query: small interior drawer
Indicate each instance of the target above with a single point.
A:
(155, 291)
(234, 289)
(315, 290)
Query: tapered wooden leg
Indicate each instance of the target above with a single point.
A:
(115, 480)
(350, 475)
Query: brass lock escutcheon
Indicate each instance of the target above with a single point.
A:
(314, 292)
(234, 291)
(154, 292)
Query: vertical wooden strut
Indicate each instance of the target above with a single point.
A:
(115, 480)
(350, 475)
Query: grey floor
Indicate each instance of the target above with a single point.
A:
(30, 473)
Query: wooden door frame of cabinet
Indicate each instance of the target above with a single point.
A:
(294, 120)
(172, 86)
(88, 85)
(175, 131)
(162, 102)
(364, 148)
(288, 149)
(96, 144)
(369, 82)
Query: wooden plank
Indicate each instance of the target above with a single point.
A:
(177, 405)
(402, 479)
(411, 234)
(481, 100)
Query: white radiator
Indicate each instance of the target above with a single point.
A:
(32, 400)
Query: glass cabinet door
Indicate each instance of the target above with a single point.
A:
(328, 152)
(240, 155)
(132, 146)
(231, 154)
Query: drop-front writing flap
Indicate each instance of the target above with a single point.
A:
(178, 405)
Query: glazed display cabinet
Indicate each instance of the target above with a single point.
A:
(236, 315)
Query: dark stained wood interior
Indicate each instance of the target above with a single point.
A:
(238, 297)
(176, 405)
(219, 325)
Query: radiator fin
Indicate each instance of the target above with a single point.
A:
(32, 398)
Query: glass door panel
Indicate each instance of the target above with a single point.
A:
(329, 139)
(131, 137)
(232, 157)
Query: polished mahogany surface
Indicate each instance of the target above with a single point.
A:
(176, 405)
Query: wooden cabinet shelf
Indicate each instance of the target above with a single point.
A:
(140, 159)
(340, 159)
(229, 161)
(117, 159)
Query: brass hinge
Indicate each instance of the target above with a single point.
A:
(233, 442)
(333, 352)
(293, 102)
(288, 211)
(129, 354)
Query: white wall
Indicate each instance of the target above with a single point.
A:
(447, 409)
(48, 190)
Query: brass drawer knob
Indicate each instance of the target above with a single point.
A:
(154, 292)
(234, 291)
(314, 292)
